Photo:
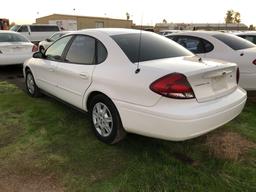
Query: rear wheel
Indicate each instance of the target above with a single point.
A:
(31, 86)
(105, 119)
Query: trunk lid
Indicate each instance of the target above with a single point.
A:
(209, 79)
(15, 48)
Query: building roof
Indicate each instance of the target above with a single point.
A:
(91, 17)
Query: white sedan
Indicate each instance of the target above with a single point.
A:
(15, 48)
(227, 47)
(137, 82)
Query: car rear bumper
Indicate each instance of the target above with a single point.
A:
(14, 59)
(181, 119)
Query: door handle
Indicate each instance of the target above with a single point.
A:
(83, 76)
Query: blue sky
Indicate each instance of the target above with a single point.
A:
(145, 11)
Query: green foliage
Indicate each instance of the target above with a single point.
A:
(232, 17)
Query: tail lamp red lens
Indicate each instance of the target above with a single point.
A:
(174, 85)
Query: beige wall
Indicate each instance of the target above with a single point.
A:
(87, 22)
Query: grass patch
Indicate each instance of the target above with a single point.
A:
(45, 140)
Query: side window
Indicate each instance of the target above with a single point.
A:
(101, 52)
(249, 38)
(195, 45)
(54, 52)
(82, 50)
(208, 47)
(23, 28)
(192, 44)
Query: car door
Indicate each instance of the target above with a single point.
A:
(46, 68)
(75, 74)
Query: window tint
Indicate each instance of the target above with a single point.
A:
(10, 37)
(234, 42)
(54, 52)
(152, 46)
(23, 28)
(82, 50)
(41, 28)
(101, 52)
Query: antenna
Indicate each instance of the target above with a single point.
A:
(139, 50)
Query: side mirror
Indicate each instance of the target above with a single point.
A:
(48, 40)
(38, 55)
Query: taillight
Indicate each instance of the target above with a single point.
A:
(237, 75)
(34, 48)
(174, 85)
(254, 62)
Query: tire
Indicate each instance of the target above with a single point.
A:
(105, 120)
(31, 86)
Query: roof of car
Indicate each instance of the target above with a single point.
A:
(246, 33)
(8, 31)
(114, 31)
(197, 33)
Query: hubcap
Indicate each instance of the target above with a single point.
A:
(30, 84)
(102, 119)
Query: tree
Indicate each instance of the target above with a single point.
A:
(237, 17)
(127, 16)
(229, 16)
(164, 21)
(233, 17)
(251, 28)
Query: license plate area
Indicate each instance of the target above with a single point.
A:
(219, 82)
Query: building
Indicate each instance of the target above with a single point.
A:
(201, 26)
(75, 22)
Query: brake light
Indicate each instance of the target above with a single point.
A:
(174, 85)
(34, 48)
(254, 62)
(237, 75)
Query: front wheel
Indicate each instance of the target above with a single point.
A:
(31, 86)
(105, 119)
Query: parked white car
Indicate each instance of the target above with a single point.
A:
(36, 32)
(248, 35)
(15, 48)
(223, 46)
(153, 87)
(43, 45)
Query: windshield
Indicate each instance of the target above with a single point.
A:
(15, 28)
(234, 42)
(152, 46)
(56, 36)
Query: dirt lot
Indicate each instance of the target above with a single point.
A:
(12, 74)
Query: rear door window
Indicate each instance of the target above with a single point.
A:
(82, 50)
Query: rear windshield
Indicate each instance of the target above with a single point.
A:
(152, 46)
(234, 42)
(10, 37)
